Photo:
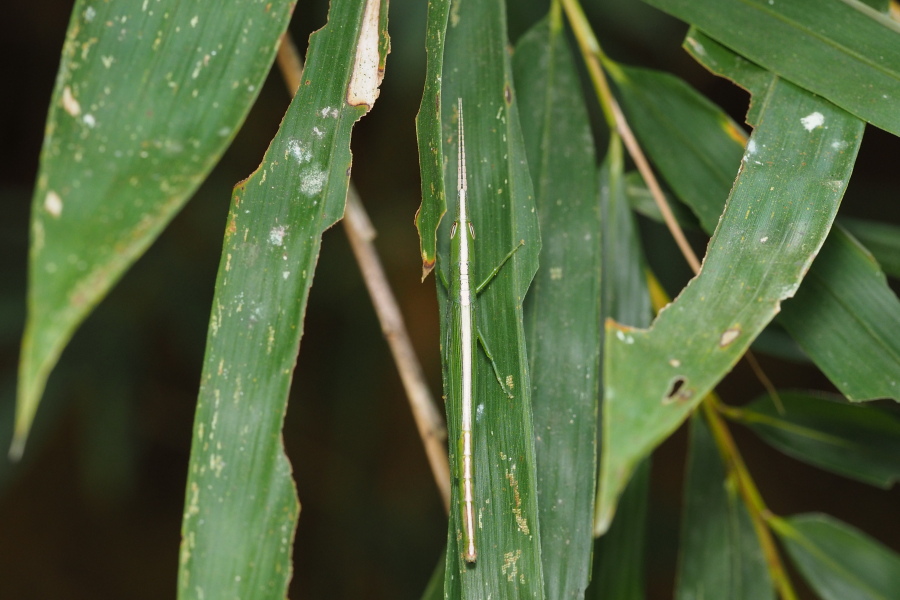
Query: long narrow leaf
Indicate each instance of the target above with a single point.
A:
(844, 316)
(839, 561)
(860, 442)
(476, 68)
(780, 210)
(240, 505)
(841, 50)
(719, 555)
(148, 97)
(881, 239)
(619, 555)
(863, 360)
(562, 312)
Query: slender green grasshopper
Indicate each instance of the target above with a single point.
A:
(464, 338)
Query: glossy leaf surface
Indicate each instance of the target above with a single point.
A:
(834, 314)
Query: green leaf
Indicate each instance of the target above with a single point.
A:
(845, 286)
(776, 219)
(619, 555)
(641, 201)
(502, 212)
(881, 239)
(860, 442)
(240, 505)
(841, 50)
(428, 133)
(719, 555)
(665, 112)
(562, 310)
(838, 561)
(435, 588)
(883, 6)
(147, 98)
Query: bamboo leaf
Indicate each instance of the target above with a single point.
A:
(619, 555)
(842, 50)
(562, 311)
(828, 296)
(777, 217)
(848, 320)
(476, 69)
(860, 442)
(719, 555)
(881, 239)
(147, 98)
(241, 506)
(428, 133)
(665, 113)
(839, 561)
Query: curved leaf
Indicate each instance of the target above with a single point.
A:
(147, 98)
(881, 239)
(838, 561)
(860, 442)
(845, 310)
(428, 134)
(792, 178)
(240, 505)
(562, 311)
(848, 320)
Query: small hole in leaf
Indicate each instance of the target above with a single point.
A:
(676, 389)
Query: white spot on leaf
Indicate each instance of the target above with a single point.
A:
(276, 235)
(300, 152)
(70, 104)
(813, 120)
(53, 204)
(728, 336)
(312, 181)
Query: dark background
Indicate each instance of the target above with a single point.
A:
(94, 509)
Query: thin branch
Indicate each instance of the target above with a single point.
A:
(361, 233)
(759, 513)
(592, 54)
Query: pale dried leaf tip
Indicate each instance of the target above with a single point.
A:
(366, 77)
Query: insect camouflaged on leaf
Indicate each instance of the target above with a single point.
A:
(462, 253)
